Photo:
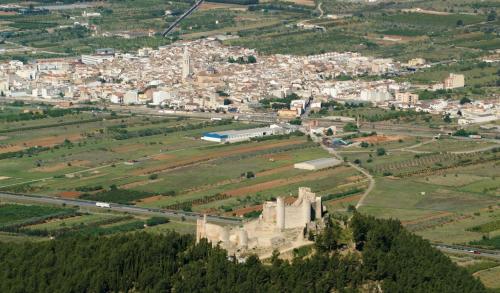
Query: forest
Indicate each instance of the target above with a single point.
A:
(386, 256)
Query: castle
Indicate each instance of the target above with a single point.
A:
(280, 225)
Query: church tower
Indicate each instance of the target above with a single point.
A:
(186, 65)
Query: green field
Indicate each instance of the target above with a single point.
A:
(20, 222)
(159, 162)
(16, 214)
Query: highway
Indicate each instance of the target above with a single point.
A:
(116, 207)
(252, 117)
(184, 15)
(473, 251)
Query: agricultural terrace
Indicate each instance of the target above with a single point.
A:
(55, 35)
(19, 222)
(445, 190)
(161, 162)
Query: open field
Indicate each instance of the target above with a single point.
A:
(489, 277)
(21, 222)
(20, 214)
(451, 145)
(436, 191)
(162, 163)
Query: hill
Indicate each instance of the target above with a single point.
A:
(386, 256)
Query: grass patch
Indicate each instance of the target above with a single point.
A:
(493, 242)
(13, 214)
(487, 227)
(117, 195)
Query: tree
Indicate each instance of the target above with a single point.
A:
(381, 152)
(465, 100)
(251, 59)
(328, 239)
(460, 22)
(447, 118)
(350, 127)
(329, 132)
(364, 144)
(389, 255)
(492, 16)
(296, 121)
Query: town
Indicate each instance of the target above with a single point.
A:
(204, 75)
(249, 146)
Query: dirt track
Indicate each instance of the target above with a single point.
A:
(378, 138)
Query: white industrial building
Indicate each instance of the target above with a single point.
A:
(318, 164)
(96, 59)
(244, 135)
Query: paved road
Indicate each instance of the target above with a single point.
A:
(184, 15)
(371, 185)
(117, 207)
(493, 254)
(22, 48)
(257, 117)
(320, 10)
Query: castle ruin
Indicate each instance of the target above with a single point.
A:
(280, 226)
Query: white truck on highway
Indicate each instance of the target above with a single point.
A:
(103, 204)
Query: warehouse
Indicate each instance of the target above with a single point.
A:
(318, 164)
(230, 136)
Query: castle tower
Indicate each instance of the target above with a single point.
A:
(306, 211)
(201, 228)
(224, 237)
(243, 238)
(318, 210)
(280, 214)
(186, 65)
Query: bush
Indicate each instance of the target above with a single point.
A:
(350, 127)
(153, 221)
(381, 152)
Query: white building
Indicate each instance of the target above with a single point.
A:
(454, 81)
(244, 135)
(161, 96)
(91, 14)
(131, 97)
(318, 164)
(95, 59)
(375, 95)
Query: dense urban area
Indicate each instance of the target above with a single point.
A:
(249, 146)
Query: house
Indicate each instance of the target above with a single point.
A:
(454, 81)
(407, 98)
